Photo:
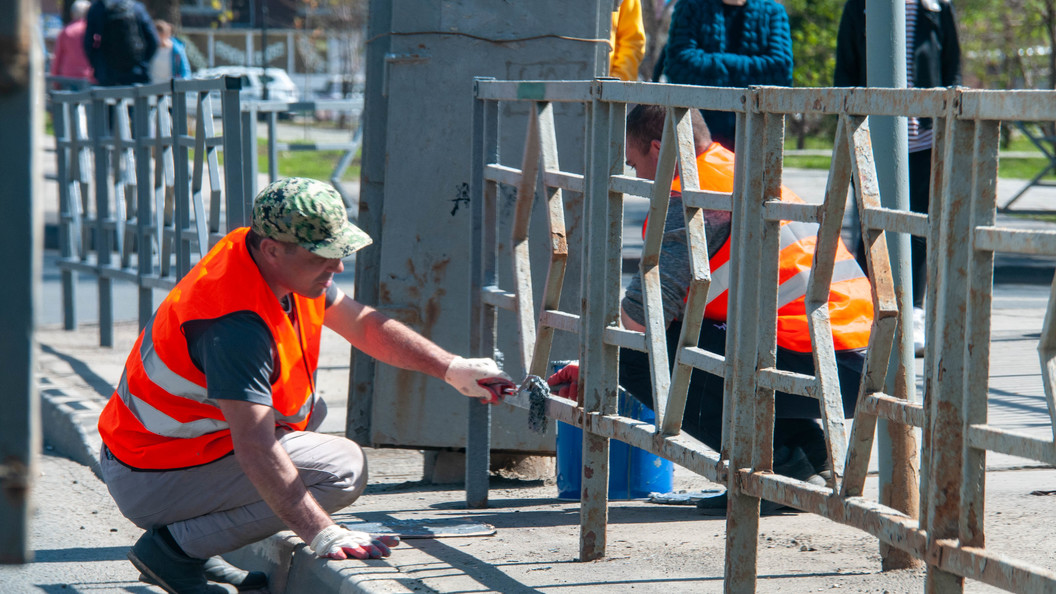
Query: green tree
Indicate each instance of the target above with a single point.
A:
(813, 24)
(1008, 44)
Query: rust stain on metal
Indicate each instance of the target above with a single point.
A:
(588, 546)
(384, 294)
(14, 64)
(422, 313)
(588, 472)
(14, 477)
(559, 243)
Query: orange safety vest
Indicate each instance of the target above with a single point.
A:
(160, 417)
(850, 295)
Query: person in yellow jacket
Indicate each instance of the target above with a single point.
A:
(208, 440)
(799, 443)
(627, 41)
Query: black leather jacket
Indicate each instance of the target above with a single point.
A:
(936, 51)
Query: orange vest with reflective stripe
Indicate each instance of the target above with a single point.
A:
(159, 417)
(850, 295)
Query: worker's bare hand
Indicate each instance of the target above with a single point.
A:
(479, 378)
(338, 542)
(565, 381)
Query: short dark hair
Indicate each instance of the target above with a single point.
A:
(253, 240)
(645, 124)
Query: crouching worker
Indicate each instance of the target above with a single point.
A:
(227, 366)
(799, 442)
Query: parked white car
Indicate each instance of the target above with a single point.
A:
(280, 86)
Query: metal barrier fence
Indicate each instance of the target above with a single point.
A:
(270, 110)
(155, 211)
(962, 237)
(142, 192)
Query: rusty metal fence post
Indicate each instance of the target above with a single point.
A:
(746, 349)
(21, 75)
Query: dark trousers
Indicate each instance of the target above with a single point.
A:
(795, 422)
(919, 199)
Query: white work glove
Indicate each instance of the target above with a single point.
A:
(338, 542)
(479, 378)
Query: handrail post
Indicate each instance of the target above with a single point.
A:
(144, 237)
(896, 444)
(597, 377)
(65, 155)
(239, 203)
(483, 271)
(102, 142)
(742, 350)
(946, 398)
(20, 243)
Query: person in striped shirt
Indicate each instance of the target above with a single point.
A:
(933, 59)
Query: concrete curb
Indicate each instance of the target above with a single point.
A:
(70, 425)
(293, 567)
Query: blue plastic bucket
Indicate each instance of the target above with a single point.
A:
(633, 473)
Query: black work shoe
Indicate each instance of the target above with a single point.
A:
(171, 569)
(219, 570)
(716, 506)
(796, 466)
(791, 463)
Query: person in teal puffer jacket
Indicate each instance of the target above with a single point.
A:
(728, 43)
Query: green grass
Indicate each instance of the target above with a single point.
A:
(807, 162)
(1009, 167)
(1023, 168)
(1048, 218)
(314, 164)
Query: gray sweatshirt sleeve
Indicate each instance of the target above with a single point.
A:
(674, 262)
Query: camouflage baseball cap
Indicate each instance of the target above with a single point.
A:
(308, 213)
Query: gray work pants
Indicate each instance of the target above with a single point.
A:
(213, 508)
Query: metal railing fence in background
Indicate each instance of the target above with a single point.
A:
(146, 186)
(141, 196)
(962, 237)
(252, 111)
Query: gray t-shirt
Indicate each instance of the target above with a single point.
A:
(237, 354)
(674, 261)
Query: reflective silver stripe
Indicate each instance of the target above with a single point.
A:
(159, 423)
(795, 231)
(301, 414)
(160, 374)
(791, 233)
(720, 282)
(168, 380)
(796, 286)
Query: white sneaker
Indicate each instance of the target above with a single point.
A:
(919, 334)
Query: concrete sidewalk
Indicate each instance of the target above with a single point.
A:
(651, 548)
